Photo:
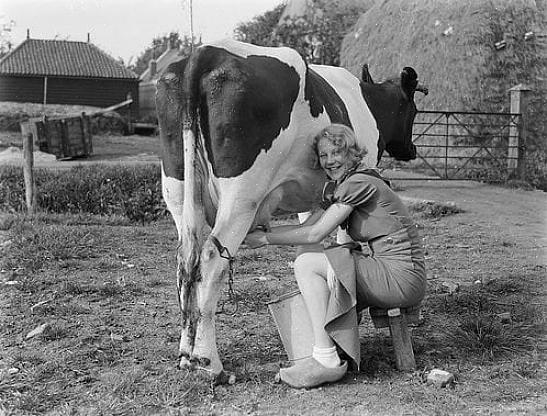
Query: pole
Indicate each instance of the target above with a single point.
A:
(45, 90)
(191, 26)
(516, 151)
(28, 168)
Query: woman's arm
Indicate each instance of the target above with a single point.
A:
(312, 219)
(315, 229)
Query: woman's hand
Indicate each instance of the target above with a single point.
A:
(256, 239)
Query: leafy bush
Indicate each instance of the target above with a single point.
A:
(12, 190)
(317, 36)
(134, 192)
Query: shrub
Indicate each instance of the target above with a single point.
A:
(134, 192)
(12, 191)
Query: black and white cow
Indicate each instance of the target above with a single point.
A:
(236, 125)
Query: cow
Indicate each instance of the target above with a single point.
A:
(236, 125)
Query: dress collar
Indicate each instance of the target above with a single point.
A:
(351, 170)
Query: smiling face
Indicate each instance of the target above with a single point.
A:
(335, 160)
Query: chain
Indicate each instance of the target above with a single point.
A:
(225, 254)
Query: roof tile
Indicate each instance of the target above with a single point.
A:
(62, 58)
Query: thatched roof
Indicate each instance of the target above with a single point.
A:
(453, 45)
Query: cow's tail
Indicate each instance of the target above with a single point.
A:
(194, 220)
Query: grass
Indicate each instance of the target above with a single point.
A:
(107, 290)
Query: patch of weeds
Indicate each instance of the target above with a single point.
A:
(104, 289)
(7, 221)
(73, 288)
(42, 399)
(109, 190)
(107, 290)
(157, 282)
(56, 331)
(67, 309)
(35, 244)
(125, 383)
(26, 359)
(506, 286)
(82, 219)
(49, 370)
(433, 209)
(106, 264)
(473, 326)
(485, 336)
(104, 354)
(519, 369)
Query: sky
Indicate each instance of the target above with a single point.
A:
(125, 28)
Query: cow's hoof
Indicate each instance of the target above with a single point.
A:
(186, 364)
(205, 369)
(225, 377)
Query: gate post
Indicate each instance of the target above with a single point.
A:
(516, 151)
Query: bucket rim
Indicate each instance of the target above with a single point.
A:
(285, 296)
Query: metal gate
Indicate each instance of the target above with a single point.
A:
(460, 145)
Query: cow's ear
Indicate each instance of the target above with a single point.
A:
(409, 81)
(365, 75)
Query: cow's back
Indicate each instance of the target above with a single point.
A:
(362, 121)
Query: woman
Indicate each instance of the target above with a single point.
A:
(338, 282)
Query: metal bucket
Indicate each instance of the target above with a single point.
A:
(293, 324)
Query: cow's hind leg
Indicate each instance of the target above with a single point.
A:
(231, 228)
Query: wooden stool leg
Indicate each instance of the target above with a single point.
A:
(402, 343)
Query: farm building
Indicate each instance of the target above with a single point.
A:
(149, 78)
(65, 72)
(468, 53)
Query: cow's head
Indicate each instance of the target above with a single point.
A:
(393, 107)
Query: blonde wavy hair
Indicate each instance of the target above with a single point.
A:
(342, 137)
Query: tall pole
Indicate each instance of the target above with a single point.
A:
(191, 27)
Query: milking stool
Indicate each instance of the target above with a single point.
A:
(397, 320)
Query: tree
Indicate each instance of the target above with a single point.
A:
(317, 36)
(5, 35)
(259, 30)
(159, 45)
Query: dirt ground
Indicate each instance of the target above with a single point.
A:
(117, 354)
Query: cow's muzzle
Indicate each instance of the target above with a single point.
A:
(403, 155)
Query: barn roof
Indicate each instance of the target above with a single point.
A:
(62, 58)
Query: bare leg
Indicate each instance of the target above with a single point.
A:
(324, 366)
(311, 274)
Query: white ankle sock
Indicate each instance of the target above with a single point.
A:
(328, 357)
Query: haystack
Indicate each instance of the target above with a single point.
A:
(468, 52)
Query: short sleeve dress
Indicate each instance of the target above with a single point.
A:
(383, 267)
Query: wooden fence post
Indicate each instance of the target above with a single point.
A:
(28, 167)
(516, 152)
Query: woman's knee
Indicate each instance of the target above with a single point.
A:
(310, 264)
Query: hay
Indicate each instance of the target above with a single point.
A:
(451, 44)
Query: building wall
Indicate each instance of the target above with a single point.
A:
(147, 101)
(22, 89)
(73, 91)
